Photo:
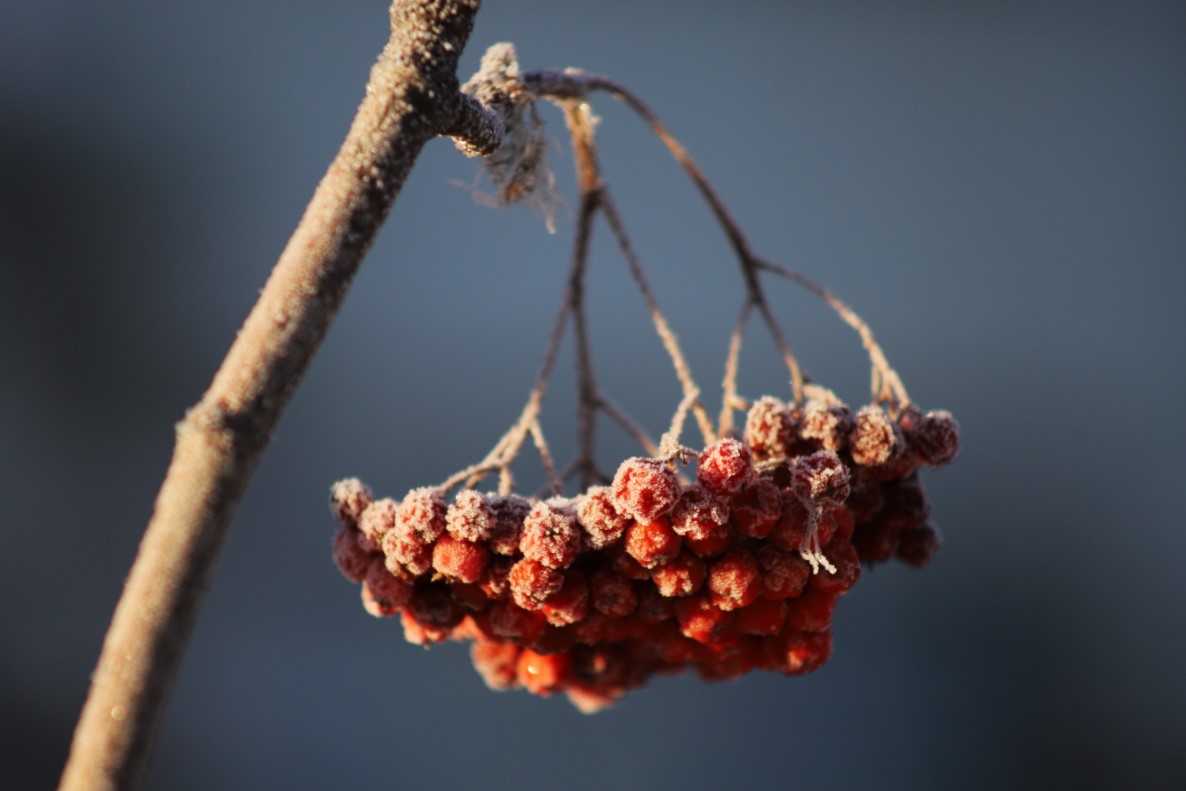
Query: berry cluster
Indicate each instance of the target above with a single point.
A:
(590, 596)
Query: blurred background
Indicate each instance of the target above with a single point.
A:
(998, 187)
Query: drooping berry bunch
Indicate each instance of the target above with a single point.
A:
(591, 596)
(737, 570)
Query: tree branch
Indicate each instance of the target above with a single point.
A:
(411, 97)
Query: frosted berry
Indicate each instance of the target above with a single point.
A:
(459, 560)
(820, 478)
(421, 515)
(644, 489)
(682, 576)
(698, 512)
(470, 517)
(347, 500)
(378, 518)
(384, 593)
(784, 574)
(570, 604)
(495, 581)
(406, 555)
(734, 580)
(874, 437)
(769, 428)
(510, 510)
(725, 467)
(600, 520)
(532, 583)
(652, 543)
(825, 424)
(936, 439)
(550, 534)
(756, 509)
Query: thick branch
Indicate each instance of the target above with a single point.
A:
(412, 96)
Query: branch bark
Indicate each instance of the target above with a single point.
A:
(412, 96)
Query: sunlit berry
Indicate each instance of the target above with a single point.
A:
(550, 534)
(644, 489)
(725, 467)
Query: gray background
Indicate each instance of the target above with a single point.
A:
(998, 187)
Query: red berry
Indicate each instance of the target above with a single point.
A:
(755, 510)
(470, 517)
(936, 439)
(654, 607)
(712, 544)
(698, 512)
(801, 652)
(510, 510)
(763, 617)
(702, 620)
(825, 424)
(421, 515)
(917, 545)
(352, 560)
(347, 500)
(386, 592)
(784, 574)
(843, 556)
(550, 534)
(532, 583)
(791, 528)
(570, 604)
(811, 611)
(612, 594)
(432, 604)
(682, 576)
(496, 663)
(734, 580)
(725, 467)
(406, 556)
(769, 428)
(543, 674)
(820, 478)
(459, 560)
(495, 581)
(874, 437)
(652, 543)
(644, 489)
(377, 519)
(602, 523)
(511, 622)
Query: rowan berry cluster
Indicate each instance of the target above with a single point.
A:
(590, 596)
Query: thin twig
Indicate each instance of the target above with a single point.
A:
(729, 396)
(411, 97)
(887, 385)
(574, 84)
(619, 416)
